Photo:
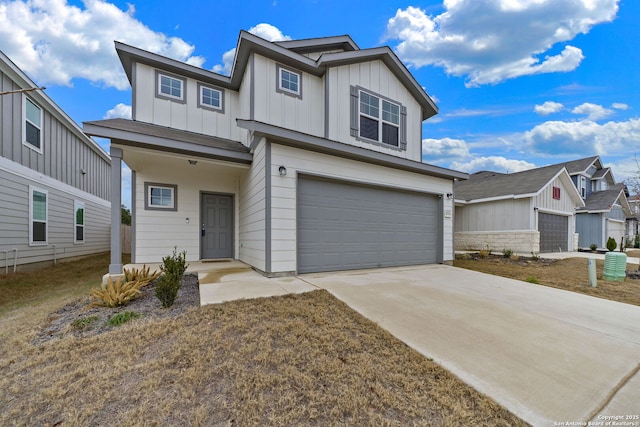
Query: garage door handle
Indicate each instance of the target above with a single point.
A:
(202, 232)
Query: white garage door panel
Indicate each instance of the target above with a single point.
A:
(345, 226)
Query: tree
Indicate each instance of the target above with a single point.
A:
(125, 215)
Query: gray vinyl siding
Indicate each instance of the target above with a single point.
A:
(65, 152)
(14, 223)
(499, 215)
(616, 212)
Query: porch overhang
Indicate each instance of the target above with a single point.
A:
(132, 133)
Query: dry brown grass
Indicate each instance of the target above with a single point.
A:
(570, 274)
(294, 360)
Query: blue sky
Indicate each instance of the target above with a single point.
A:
(519, 83)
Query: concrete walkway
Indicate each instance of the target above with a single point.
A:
(549, 356)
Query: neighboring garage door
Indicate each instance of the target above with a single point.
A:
(554, 232)
(615, 229)
(343, 226)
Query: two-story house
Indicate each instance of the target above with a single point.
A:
(606, 207)
(306, 158)
(55, 192)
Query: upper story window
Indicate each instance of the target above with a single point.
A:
(582, 186)
(210, 98)
(32, 125)
(170, 87)
(556, 193)
(289, 82)
(376, 118)
(160, 196)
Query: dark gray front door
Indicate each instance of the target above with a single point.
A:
(554, 232)
(216, 230)
(343, 226)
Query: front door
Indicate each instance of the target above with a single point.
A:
(216, 230)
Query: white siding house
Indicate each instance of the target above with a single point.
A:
(55, 192)
(306, 158)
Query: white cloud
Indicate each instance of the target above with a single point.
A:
(578, 138)
(592, 111)
(493, 163)
(263, 30)
(548, 107)
(619, 106)
(445, 148)
(55, 42)
(121, 111)
(490, 41)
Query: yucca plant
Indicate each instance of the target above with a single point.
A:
(115, 294)
(141, 275)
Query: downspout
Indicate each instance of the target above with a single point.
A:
(6, 262)
(55, 255)
(15, 259)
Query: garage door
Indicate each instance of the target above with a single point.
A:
(343, 226)
(615, 229)
(554, 232)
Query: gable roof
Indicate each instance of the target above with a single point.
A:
(288, 53)
(603, 201)
(494, 185)
(581, 165)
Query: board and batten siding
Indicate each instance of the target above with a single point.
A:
(184, 116)
(283, 192)
(65, 152)
(252, 211)
(498, 215)
(377, 78)
(545, 202)
(304, 114)
(157, 232)
(61, 198)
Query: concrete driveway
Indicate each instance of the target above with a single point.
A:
(549, 356)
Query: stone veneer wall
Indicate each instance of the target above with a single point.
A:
(519, 241)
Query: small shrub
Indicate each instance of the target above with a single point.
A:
(484, 252)
(534, 256)
(532, 279)
(636, 241)
(174, 265)
(593, 246)
(122, 318)
(115, 294)
(507, 253)
(167, 289)
(514, 257)
(83, 322)
(611, 244)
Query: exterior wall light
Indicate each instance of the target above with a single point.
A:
(193, 162)
(282, 171)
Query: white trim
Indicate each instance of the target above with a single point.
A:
(76, 205)
(27, 173)
(556, 212)
(32, 189)
(26, 143)
(284, 89)
(173, 78)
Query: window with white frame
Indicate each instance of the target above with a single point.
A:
(161, 196)
(375, 118)
(170, 87)
(210, 98)
(38, 213)
(379, 119)
(583, 186)
(32, 125)
(289, 82)
(79, 222)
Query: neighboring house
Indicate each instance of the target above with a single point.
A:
(54, 198)
(525, 212)
(606, 208)
(306, 158)
(633, 220)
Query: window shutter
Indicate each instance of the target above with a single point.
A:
(354, 111)
(403, 128)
